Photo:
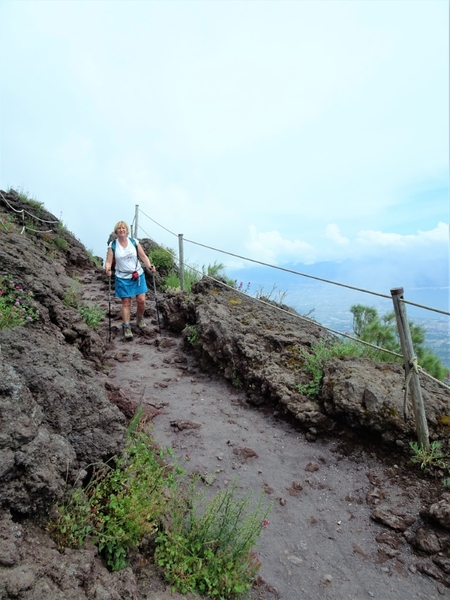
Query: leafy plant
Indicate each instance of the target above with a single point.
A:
(92, 315)
(25, 197)
(121, 503)
(200, 549)
(192, 334)
(94, 259)
(193, 274)
(71, 523)
(429, 457)
(172, 282)
(6, 222)
(16, 305)
(72, 297)
(217, 271)
(163, 258)
(210, 551)
(61, 243)
(313, 360)
(432, 459)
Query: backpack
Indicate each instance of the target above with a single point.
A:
(113, 248)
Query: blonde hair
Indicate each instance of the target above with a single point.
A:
(119, 224)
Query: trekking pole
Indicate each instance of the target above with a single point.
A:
(109, 308)
(156, 303)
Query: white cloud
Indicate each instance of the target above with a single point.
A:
(377, 240)
(271, 247)
(263, 128)
(333, 234)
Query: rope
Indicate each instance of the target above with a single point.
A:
(296, 315)
(443, 312)
(23, 211)
(350, 287)
(156, 223)
(36, 230)
(150, 238)
(425, 374)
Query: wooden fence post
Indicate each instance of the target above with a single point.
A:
(410, 363)
(181, 254)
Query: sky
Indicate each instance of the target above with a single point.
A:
(293, 133)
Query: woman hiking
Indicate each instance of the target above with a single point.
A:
(129, 279)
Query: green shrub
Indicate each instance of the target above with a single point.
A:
(192, 334)
(73, 295)
(200, 549)
(172, 282)
(193, 274)
(369, 327)
(209, 551)
(61, 243)
(6, 222)
(217, 271)
(91, 315)
(433, 456)
(432, 459)
(16, 305)
(120, 505)
(94, 259)
(313, 359)
(25, 197)
(163, 258)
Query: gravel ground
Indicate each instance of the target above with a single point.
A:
(321, 542)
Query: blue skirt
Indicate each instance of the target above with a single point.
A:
(128, 288)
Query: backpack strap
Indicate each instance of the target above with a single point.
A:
(113, 244)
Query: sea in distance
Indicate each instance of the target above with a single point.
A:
(329, 303)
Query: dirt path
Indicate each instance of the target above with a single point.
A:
(321, 542)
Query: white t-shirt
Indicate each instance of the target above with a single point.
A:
(127, 260)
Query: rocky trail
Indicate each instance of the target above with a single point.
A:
(342, 512)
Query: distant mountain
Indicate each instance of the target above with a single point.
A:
(380, 276)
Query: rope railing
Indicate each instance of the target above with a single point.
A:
(303, 318)
(287, 312)
(296, 315)
(289, 270)
(156, 223)
(344, 285)
(329, 281)
(24, 212)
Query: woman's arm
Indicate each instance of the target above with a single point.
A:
(145, 259)
(108, 263)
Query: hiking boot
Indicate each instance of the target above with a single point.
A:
(127, 333)
(141, 323)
